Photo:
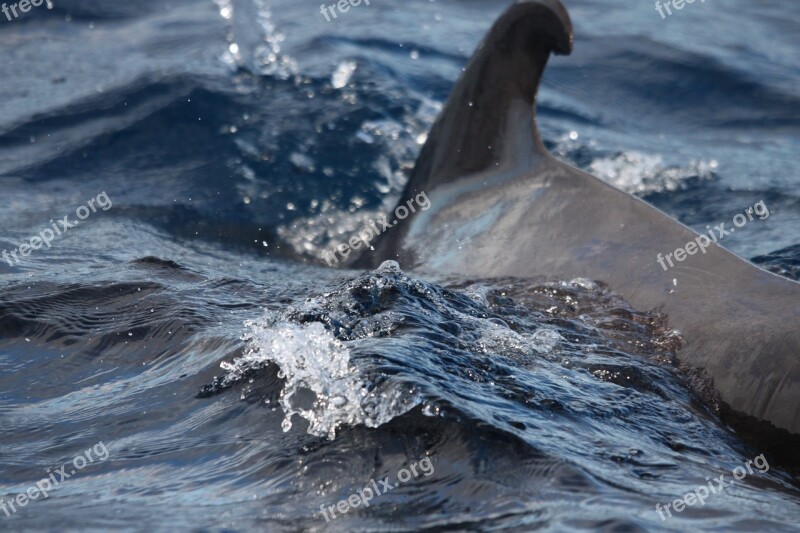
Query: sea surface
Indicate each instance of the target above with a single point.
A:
(205, 154)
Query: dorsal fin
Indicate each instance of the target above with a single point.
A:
(505, 70)
(500, 207)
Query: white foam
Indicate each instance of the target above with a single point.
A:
(639, 173)
(312, 360)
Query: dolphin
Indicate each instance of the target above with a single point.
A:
(502, 206)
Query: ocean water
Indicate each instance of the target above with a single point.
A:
(181, 347)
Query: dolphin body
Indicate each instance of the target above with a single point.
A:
(502, 206)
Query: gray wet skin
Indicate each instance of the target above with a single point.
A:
(502, 206)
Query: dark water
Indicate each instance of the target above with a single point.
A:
(225, 145)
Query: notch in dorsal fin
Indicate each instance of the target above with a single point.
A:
(505, 69)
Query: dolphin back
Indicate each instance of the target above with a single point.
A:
(502, 206)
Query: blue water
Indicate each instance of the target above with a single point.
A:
(236, 141)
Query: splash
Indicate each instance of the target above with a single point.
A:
(384, 343)
(639, 173)
(321, 383)
(256, 47)
(397, 142)
(631, 171)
